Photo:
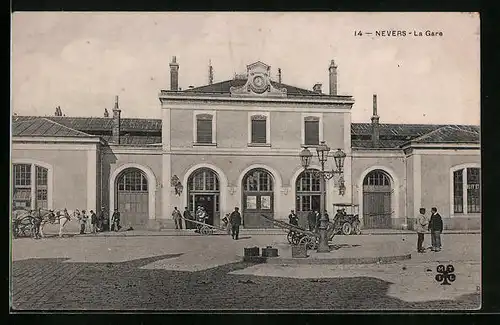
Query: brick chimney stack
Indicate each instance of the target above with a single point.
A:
(375, 124)
(174, 74)
(333, 78)
(279, 75)
(317, 88)
(116, 122)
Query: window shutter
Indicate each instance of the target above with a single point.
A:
(204, 129)
(311, 130)
(258, 131)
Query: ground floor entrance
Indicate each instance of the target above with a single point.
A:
(377, 193)
(209, 202)
(132, 199)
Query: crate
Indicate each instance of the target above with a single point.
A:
(299, 251)
(269, 251)
(251, 251)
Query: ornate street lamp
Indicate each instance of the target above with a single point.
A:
(339, 156)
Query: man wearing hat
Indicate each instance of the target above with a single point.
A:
(235, 221)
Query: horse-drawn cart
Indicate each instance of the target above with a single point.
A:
(22, 224)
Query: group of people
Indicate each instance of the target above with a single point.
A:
(434, 224)
(231, 222)
(98, 223)
(313, 219)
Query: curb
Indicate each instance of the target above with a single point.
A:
(325, 261)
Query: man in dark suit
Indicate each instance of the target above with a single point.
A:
(293, 219)
(235, 221)
(436, 228)
(187, 216)
(311, 220)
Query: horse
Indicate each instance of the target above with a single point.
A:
(60, 217)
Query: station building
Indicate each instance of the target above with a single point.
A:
(236, 143)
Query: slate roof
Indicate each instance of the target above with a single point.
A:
(397, 135)
(224, 86)
(144, 132)
(92, 124)
(44, 127)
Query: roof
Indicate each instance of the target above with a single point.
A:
(90, 124)
(44, 127)
(224, 86)
(397, 135)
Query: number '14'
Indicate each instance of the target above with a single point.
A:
(358, 33)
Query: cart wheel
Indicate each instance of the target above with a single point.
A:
(205, 230)
(307, 241)
(356, 228)
(289, 237)
(296, 238)
(346, 228)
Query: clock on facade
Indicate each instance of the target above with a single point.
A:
(259, 84)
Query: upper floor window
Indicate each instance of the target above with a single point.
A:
(258, 128)
(205, 128)
(467, 190)
(311, 130)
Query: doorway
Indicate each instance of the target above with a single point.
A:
(208, 203)
(377, 192)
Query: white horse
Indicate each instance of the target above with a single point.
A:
(60, 217)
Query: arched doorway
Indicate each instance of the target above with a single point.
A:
(132, 197)
(307, 196)
(377, 208)
(204, 190)
(257, 198)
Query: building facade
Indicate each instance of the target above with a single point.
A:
(236, 144)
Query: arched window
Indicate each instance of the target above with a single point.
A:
(307, 192)
(133, 180)
(377, 178)
(258, 180)
(30, 186)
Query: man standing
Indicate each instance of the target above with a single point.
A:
(187, 216)
(83, 221)
(436, 228)
(317, 220)
(93, 222)
(311, 220)
(176, 214)
(115, 220)
(235, 221)
(421, 225)
(293, 219)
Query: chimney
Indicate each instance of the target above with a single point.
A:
(279, 75)
(333, 78)
(174, 74)
(210, 73)
(375, 124)
(106, 113)
(317, 88)
(116, 122)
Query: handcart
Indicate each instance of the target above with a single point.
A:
(205, 228)
(297, 235)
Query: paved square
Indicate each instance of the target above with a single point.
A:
(161, 271)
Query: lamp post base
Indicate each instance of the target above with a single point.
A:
(323, 246)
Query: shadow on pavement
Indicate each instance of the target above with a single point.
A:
(49, 284)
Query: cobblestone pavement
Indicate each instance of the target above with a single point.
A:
(198, 273)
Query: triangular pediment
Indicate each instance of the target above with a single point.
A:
(257, 65)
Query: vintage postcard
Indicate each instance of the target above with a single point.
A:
(245, 161)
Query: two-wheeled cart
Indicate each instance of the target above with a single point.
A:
(23, 224)
(297, 235)
(205, 228)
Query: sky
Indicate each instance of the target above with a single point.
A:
(80, 61)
